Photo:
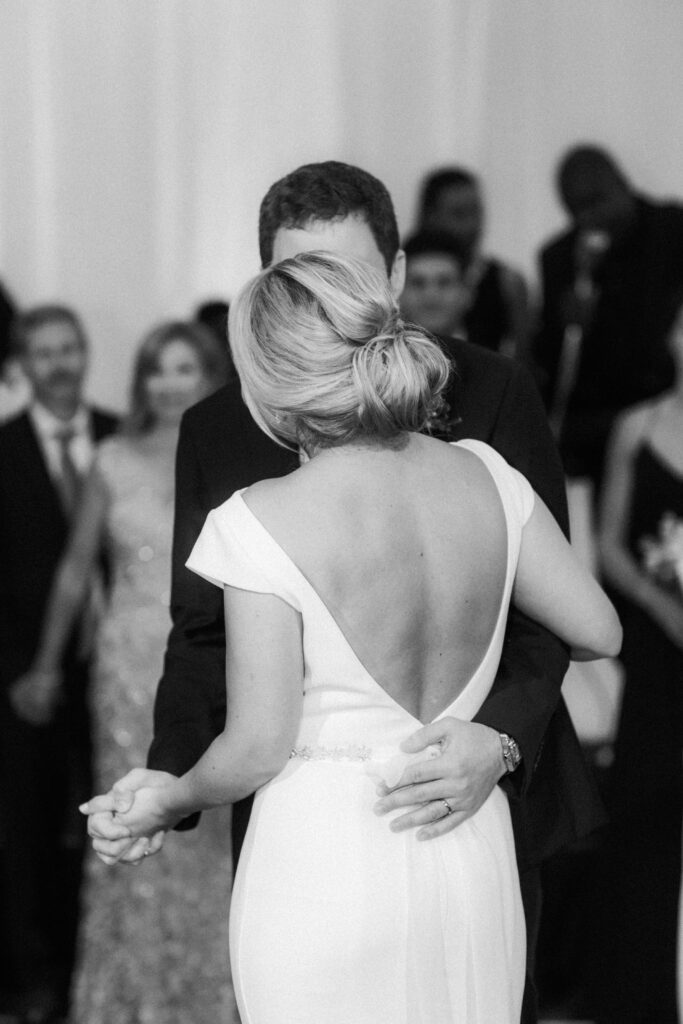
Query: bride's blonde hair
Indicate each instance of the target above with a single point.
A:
(324, 357)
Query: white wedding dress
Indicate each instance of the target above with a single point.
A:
(334, 918)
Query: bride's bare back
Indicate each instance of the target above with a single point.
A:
(407, 548)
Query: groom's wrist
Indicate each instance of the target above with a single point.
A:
(510, 753)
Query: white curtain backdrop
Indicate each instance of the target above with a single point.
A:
(137, 137)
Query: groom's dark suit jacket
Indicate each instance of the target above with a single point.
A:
(220, 449)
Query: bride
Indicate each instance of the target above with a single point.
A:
(365, 593)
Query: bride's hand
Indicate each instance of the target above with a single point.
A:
(119, 826)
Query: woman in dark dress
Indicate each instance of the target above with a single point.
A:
(641, 542)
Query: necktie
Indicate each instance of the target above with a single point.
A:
(69, 478)
(70, 484)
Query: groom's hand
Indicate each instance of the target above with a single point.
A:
(461, 777)
(111, 838)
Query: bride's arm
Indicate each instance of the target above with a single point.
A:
(553, 587)
(264, 678)
(35, 694)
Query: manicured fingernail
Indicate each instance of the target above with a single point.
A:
(83, 808)
(379, 808)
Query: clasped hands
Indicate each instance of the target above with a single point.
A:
(127, 824)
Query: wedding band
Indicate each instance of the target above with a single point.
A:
(449, 809)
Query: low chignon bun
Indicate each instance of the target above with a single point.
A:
(324, 357)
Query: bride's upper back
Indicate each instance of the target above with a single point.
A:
(407, 548)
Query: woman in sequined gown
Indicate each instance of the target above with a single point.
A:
(153, 942)
(636, 955)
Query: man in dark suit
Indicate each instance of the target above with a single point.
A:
(522, 735)
(44, 757)
(608, 287)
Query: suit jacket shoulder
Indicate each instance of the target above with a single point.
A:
(229, 449)
(488, 393)
(19, 427)
(15, 427)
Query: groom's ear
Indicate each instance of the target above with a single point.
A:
(397, 277)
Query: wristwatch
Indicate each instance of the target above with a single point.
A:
(512, 755)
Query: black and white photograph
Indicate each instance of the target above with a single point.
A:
(341, 512)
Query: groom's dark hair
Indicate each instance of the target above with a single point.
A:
(328, 191)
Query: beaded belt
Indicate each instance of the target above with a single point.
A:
(318, 753)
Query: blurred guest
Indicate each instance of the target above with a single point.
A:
(7, 315)
(607, 283)
(641, 543)
(14, 388)
(214, 315)
(153, 944)
(497, 306)
(44, 453)
(434, 296)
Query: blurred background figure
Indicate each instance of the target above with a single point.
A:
(153, 942)
(641, 543)
(607, 284)
(7, 314)
(14, 387)
(45, 762)
(496, 313)
(214, 315)
(434, 296)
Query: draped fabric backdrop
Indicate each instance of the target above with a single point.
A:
(138, 136)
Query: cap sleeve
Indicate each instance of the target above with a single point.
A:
(521, 492)
(221, 557)
(517, 494)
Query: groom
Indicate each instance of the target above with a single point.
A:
(522, 736)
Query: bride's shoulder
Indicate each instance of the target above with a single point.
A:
(484, 453)
(470, 453)
(264, 498)
(265, 493)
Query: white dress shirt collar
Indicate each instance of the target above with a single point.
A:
(48, 428)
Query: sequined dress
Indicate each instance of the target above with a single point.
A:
(153, 941)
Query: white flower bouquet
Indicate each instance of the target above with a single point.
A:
(663, 554)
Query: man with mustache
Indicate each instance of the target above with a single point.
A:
(44, 768)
